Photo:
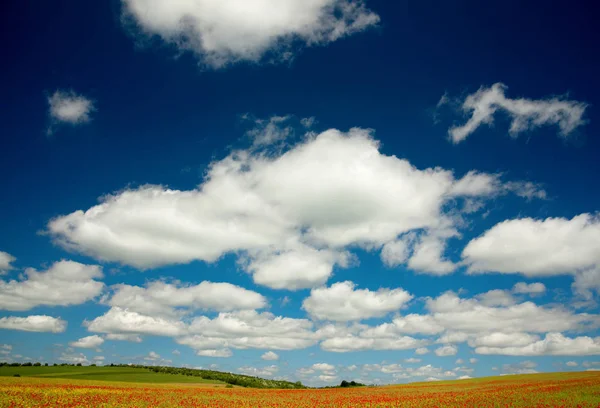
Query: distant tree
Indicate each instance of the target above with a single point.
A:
(78, 364)
(46, 365)
(37, 364)
(92, 365)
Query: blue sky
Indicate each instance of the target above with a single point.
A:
(315, 191)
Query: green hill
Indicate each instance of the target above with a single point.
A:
(144, 374)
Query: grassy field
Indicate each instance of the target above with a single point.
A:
(119, 374)
(568, 390)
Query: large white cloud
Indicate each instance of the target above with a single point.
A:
(525, 114)
(168, 299)
(342, 302)
(5, 262)
(536, 248)
(356, 343)
(226, 31)
(34, 324)
(64, 283)
(249, 329)
(291, 217)
(122, 321)
(554, 344)
(90, 342)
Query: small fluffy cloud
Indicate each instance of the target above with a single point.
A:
(269, 131)
(536, 248)
(72, 358)
(525, 114)
(269, 371)
(523, 288)
(5, 262)
(69, 107)
(89, 342)
(342, 302)
(446, 351)
(421, 351)
(524, 367)
(572, 364)
(152, 356)
(270, 356)
(40, 324)
(222, 32)
(291, 218)
(64, 283)
(497, 297)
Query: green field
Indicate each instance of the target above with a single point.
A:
(121, 374)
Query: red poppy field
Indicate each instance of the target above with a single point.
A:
(544, 390)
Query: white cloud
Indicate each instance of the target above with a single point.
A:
(5, 349)
(422, 350)
(555, 344)
(464, 377)
(323, 367)
(535, 248)
(470, 316)
(72, 358)
(69, 107)
(249, 329)
(270, 356)
(5, 262)
(496, 297)
(176, 352)
(221, 32)
(124, 337)
(290, 217)
(525, 114)
(221, 353)
(327, 378)
(536, 288)
(427, 371)
(473, 360)
(269, 131)
(34, 324)
(412, 360)
(503, 340)
(524, 367)
(64, 283)
(152, 356)
(90, 342)
(428, 256)
(445, 351)
(355, 343)
(299, 268)
(460, 361)
(532, 247)
(165, 299)
(395, 253)
(342, 302)
(269, 371)
(121, 321)
(572, 364)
